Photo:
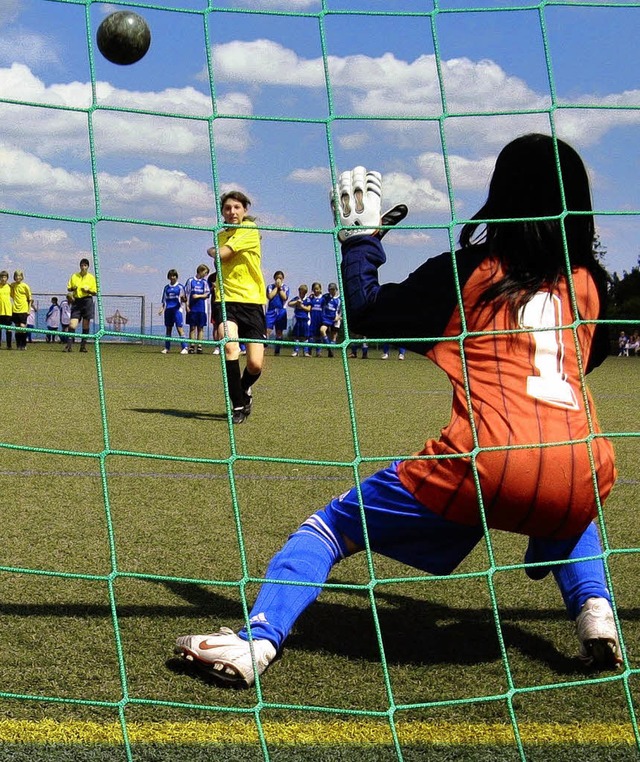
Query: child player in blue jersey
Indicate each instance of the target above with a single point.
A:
(385, 352)
(276, 315)
(173, 297)
(331, 316)
(197, 292)
(315, 316)
(301, 309)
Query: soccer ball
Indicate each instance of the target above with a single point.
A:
(123, 37)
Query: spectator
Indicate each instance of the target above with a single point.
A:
(315, 300)
(6, 307)
(173, 297)
(197, 292)
(276, 317)
(22, 300)
(331, 317)
(52, 319)
(302, 323)
(65, 318)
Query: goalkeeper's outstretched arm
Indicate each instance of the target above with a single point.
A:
(419, 307)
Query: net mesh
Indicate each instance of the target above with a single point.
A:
(258, 713)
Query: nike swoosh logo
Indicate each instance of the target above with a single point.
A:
(204, 645)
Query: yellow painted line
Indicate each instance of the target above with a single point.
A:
(313, 733)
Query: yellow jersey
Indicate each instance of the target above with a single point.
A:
(21, 295)
(241, 275)
(6, 307)
(82, 285)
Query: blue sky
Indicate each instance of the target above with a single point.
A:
(279, 124)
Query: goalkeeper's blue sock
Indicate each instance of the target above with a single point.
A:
(582, 580)
(307, 557)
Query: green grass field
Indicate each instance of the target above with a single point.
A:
(118, 482)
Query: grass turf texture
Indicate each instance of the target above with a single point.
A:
(136, 548)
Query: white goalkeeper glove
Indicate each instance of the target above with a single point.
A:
(359, 195)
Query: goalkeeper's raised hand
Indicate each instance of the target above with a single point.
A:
(359, 195)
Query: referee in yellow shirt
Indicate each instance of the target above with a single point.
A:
(81, 289)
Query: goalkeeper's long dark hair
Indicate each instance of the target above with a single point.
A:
(546, 229)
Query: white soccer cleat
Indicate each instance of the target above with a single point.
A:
(227, 657)
(184, 351)
(165, 351)
(596, 629)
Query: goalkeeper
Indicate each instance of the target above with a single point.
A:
(525, 428)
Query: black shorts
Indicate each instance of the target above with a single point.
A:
(248, 317)
(83, 308)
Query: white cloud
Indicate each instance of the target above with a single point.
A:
(18, 82)
(418, 193)
(9, 11)
(133, 244)
(265, 62)
(312, 176)
(415, 239)
(183, 100)
(379, 85)
(53, 131)
(41, 238)
(466, 174)
(27, 47)
(353, 141)
(386, 85)
(131, 269)
(152, 191)
(46, 245)
(25, 177)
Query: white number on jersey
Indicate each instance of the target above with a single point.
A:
(544, 311)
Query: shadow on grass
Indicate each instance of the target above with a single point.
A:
(193, 414)
(414, 631)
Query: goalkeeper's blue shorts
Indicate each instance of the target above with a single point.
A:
(400, 527)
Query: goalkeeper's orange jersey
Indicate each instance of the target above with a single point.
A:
(538, 464)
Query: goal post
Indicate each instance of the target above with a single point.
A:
(125, 315)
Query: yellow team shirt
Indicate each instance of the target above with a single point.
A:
(81, 285)
(6, 308)
(242, 275)
(21, 295)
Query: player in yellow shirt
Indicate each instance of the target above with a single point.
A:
(81, 289)
(243, 289)
(6, 307)
(22, 299)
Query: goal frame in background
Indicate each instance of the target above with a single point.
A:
(131, 307)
